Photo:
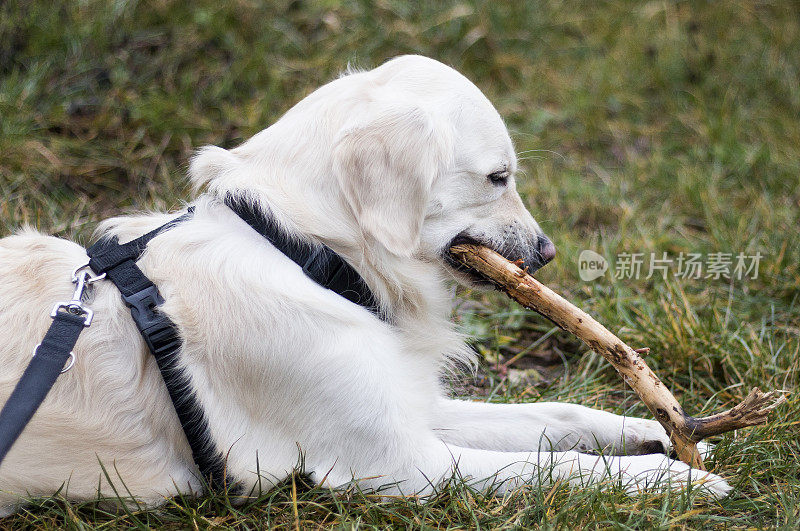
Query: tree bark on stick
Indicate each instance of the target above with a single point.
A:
(685, 431)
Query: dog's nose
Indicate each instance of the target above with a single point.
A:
(546, 248)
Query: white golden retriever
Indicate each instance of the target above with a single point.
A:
(387, 167)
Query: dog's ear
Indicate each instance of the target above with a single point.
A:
(385, 163)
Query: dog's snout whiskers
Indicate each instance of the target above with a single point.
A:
(534, 250)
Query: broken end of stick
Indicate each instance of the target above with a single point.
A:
(752, 411)
(759, 402)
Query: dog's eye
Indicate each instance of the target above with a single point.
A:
(499, 178)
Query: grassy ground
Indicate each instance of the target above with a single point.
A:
(642, 128)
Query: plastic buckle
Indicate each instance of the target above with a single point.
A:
(143, 307)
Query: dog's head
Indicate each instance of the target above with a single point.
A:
(406, 159)
(428, 163)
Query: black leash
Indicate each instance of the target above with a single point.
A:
(49, 357)
(117, 262)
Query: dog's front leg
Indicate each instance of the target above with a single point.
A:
(546, 425)
(503, 471)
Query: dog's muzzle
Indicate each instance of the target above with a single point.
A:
(533, 251)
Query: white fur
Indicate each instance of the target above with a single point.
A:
(386, 167)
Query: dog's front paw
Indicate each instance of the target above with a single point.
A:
(641, 437)
(648, 472)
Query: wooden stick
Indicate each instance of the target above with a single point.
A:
(685, 431)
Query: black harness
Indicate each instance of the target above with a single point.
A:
(318, 262)
(117, 262)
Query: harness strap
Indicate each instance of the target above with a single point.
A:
(161, 335)
(319, 262)
(39, 377)
(118, 263)
(114, 255)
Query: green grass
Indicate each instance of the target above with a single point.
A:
(642, 127)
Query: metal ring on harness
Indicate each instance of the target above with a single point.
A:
(69, 364)
(87, 277)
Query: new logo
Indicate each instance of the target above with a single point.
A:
(591, 265)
